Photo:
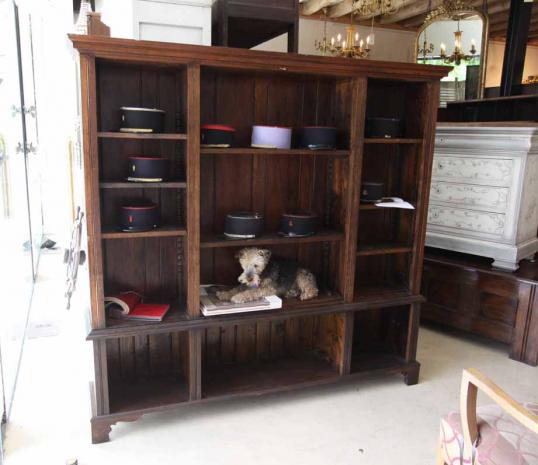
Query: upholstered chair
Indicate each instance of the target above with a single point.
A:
(503, 433)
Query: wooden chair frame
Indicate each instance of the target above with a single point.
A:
(473, 381)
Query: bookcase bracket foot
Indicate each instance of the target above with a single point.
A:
(411, 374)
(102, 426)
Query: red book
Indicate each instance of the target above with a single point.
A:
(129, 306)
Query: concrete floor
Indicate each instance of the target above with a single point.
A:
(372, 421)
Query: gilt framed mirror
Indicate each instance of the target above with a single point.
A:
(455, 34)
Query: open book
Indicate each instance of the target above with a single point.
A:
(128, 305)
(211, 305)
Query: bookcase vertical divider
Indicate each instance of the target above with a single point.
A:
(351, 212)
(429, 104)
(193, 227)
(193, 189)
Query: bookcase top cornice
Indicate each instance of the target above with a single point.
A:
(143, 51)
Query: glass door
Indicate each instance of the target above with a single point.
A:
(20, 199)
(28, 113)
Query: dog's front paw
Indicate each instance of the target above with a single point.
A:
(239, 299)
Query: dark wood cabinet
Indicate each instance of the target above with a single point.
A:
(247, 23)
(464, 292)
(367, 260)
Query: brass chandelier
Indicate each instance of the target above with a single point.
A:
(458, 55)
(352, 46)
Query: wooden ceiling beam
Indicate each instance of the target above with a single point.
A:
(414, 14)
(341, 9)
(500, 28)
(344, 8)
(313, 6)
(411, 10)
(415, 22)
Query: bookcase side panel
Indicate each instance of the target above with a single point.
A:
(91, 185)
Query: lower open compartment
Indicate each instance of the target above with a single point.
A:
(148, 371)
(380, 339)
(382, 276)
(262, 356)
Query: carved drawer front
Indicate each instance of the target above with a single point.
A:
(458, 218)
(491, 171)
(473, 196)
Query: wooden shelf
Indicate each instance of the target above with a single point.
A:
(367, 298)
(266, 376)
(162, 231)
(150, 393)
(256, 151)
(178, 320)
(152, 136)
(142, 185)
(175, 317)
(380, 140)
(382, 249)
(219, 240)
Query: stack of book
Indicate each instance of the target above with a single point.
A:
(211, 305)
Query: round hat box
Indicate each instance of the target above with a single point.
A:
(217, 135)
(147, 169)
(372, 192)
(139, 217)
(141, 120)
(318, 137)
(386, 128)
(243, 225)
(298, 224)
(271, 137)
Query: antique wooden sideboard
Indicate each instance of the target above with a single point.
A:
(368, 260)
(464, 292)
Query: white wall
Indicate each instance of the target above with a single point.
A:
(495, 63)
(390, 44)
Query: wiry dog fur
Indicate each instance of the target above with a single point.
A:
(264, 275)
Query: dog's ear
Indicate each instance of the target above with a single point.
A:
(265, 253)
(239, 254)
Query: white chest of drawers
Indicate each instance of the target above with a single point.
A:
(484, 191)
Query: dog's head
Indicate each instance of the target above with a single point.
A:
(253, 261)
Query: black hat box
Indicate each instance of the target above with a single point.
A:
(372, 192)
(217, 135)
(141, 120)
(147, 169)
(243, 225)
(139, 217)
(386, 128)
(298, 224)
(318, 137)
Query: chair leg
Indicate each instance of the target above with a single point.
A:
(440, 453)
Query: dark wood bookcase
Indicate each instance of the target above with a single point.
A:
(368, 260)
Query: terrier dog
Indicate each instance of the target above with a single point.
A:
(264, 276)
